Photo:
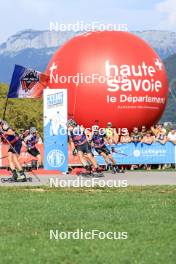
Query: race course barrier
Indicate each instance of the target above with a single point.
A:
(129, 153)
(141, 153)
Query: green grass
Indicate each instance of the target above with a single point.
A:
(146, 213)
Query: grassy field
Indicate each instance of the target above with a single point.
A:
(146, 213)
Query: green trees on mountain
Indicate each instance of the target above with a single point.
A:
(21, 113)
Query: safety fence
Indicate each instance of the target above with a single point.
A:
(141, 153)
(129, 153)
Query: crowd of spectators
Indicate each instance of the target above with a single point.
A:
(157, 133)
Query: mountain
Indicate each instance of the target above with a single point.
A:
(29, 48)
(164, 42)
(170, 111)
(34, 48)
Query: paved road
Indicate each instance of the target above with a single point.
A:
(136, 178)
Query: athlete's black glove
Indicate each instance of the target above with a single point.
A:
(74, 152)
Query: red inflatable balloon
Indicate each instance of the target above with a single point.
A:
(110, 76)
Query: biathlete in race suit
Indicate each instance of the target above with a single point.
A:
(8, 136)
(30, 140)
(80, 145)
(99, 141)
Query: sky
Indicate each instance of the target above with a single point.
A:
(18, 15)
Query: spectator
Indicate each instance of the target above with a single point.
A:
(162, 128)
(111, 134)
(135, 138)
(125, 138)
(157, 129)
(161, 136)
(143, 131)
(172, 136)
(135, 135)
(148, 139)
(162, 139)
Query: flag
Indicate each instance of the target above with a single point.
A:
(26, 82)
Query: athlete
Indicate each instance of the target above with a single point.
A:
(80, 146)
(99, 142)
(30, 140)
(8, 136)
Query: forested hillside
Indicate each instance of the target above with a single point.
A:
(21, 113)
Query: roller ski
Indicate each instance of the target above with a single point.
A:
(97, 172)
(12, 180)
(89, 172)
(86, 172)
(16, 177)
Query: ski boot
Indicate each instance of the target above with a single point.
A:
(109, 167)
(21, 177)
(14, 175)
(116, 169)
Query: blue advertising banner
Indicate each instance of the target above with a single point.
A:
(141, 153)
(55, 130)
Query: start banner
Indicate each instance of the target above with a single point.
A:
(55, 130)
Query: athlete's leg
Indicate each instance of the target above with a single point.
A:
(12, 166)
(92, 160)
(16, 162)
(106, 158)
(112, 159)
(10, 160)
(39, 160)
(22, 176)
(82, 158)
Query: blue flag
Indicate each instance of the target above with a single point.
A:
(25, 82)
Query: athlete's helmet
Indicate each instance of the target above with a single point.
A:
(33, 130)
(5, 125)
(71, 122)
